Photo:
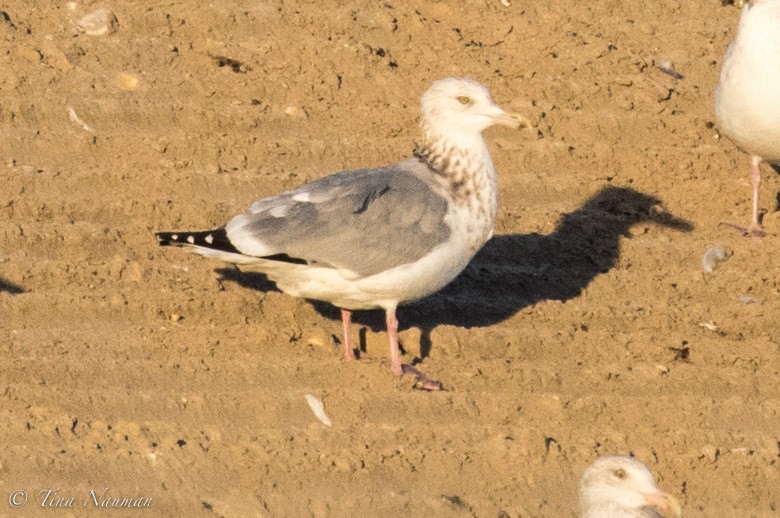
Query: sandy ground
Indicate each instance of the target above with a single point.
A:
(585, 327)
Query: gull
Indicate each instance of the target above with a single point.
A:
(747, 102)
(377, 238)
(623, 487)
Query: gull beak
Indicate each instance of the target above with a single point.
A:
(665, 504)
(513, 120)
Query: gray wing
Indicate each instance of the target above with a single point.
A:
(366, 221)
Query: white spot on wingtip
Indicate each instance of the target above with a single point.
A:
(302, 196)
(175, 237)
(209, 239)
(191, 240)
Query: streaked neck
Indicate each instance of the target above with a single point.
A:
(464, 160)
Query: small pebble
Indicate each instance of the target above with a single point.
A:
(128, 82)
(710, 452)
(742, 450)
(747, 299)
(710, 325)
(99, 22)
(713, 256)
(663, 369)
(29, 54)
(317, 340)
(293, 111)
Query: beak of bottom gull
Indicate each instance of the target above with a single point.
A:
(513, 120)
(665, 504)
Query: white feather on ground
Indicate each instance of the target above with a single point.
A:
(318, 409)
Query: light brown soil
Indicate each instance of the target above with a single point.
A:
(585, 327)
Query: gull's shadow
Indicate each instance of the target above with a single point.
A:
(514, 271)
(10, 287)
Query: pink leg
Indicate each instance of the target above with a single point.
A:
(395, 357)
(755, 226)
(346, 320)
(754, 229)
(392, 332)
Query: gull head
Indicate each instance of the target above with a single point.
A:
(623, 487)
(462, 106)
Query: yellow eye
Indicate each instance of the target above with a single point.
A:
(620, 473)
(465, 100)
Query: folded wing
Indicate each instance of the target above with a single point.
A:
(365, 221)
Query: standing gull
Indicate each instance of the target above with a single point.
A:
(747, 99)
(376, 238)
(622, 487)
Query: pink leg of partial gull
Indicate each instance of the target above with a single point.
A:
(754, 229)
(395, 356)
(346, 320)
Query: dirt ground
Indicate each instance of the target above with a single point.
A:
(585, 327)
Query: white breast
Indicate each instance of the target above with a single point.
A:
(747, 101)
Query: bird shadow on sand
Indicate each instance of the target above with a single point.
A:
(514, 271)
(9, 287)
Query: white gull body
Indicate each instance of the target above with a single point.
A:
(623, 487)
(747, 99)
(376, 238)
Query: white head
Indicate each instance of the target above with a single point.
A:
(623, 487)
(462, 106)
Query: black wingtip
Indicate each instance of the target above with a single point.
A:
(216, 239)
